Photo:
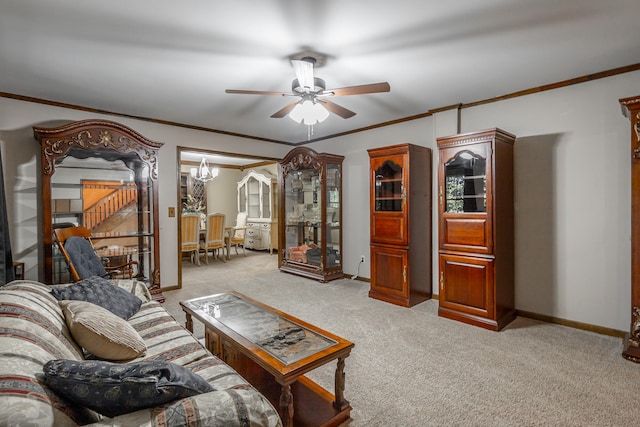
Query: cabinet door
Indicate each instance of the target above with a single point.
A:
(465, 198)
(466, 285)
(388, 199)
(389, 278)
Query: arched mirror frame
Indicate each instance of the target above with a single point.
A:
(110, 139)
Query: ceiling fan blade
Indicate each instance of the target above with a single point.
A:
(304, 73)
(257, 92)
(359, 90)
(284, 111)
(337, 109)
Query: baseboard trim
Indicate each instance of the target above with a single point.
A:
(545, 318)
(360, 279)
(564, 322)
(572, 323)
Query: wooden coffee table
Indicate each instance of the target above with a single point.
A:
(273, 350)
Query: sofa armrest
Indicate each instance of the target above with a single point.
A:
(224, 408)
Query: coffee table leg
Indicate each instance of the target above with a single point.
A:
(340, 403)
(189, 322)
(286, 405)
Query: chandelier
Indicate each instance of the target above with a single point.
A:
(204, 173)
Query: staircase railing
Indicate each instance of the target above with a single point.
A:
(106, 207)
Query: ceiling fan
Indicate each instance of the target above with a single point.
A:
(313, 93)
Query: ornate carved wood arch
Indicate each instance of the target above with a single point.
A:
(95, 136)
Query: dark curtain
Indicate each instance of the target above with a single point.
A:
(6, 260)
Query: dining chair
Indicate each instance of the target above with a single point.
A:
(77, 248)
(239, 233)
(214, 239)
(191, 236)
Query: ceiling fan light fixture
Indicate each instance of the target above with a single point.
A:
(296, 113)
(321, 112)
(309, 112)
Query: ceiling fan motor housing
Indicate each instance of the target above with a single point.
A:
(319, 86)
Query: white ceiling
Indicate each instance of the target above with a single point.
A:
(172, 60)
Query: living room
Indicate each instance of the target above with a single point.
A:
(572, 188)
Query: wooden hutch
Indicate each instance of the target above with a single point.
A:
(400, 222)
(476, 228)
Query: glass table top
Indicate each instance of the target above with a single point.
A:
(285, 340)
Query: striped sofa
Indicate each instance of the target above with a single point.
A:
(33, 331)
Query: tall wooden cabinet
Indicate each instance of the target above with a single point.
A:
(400, 221)
(311, 212)
(104, 176)
(257, 195)
(475, 198)
(631, 109)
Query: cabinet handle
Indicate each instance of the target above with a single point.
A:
(404, 274)
(441, 281)
(441, 194)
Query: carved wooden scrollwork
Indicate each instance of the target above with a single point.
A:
(634, 339)
(109, 141)
(92, 140)
(303, 161)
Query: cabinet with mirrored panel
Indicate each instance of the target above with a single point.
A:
(104, 176)
(311, 214)
(475, 193)
(400, 221)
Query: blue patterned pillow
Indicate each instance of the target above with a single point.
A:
(102, 292)
(114, 389)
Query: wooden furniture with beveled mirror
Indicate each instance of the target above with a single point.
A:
(631, 109)
(476, 226)
(103, 176)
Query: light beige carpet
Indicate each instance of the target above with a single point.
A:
(411, 368)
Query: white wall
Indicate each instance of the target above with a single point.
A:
(21, 153)
(572, 194)
(355, 182)
(572, 188)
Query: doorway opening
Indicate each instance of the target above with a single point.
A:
(221, 194)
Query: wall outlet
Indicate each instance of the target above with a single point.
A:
(361, 258)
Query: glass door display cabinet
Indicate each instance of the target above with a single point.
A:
(257, 196)
(400, 221)
(475, 194)
(311, 214)
(104, 176)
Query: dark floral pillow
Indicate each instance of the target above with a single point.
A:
(113, 389)
(102, 292)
